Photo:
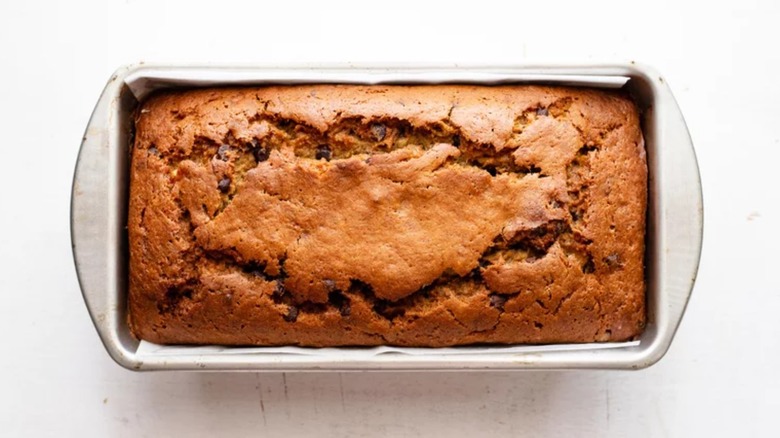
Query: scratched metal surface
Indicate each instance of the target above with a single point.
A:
(718, 379)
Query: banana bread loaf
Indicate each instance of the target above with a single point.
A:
(334, 215)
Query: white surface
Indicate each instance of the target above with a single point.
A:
(719, 378)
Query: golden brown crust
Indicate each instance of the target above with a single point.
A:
(329, 215)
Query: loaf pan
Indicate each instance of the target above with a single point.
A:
(100, 197)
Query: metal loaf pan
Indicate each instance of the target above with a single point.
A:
(100, 195)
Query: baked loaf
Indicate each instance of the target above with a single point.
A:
(335, 215)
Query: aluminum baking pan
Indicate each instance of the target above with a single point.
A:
(100, 194)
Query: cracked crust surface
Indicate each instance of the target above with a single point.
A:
(331, 215)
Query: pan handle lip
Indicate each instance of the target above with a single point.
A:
(680, 216)
(92, 222)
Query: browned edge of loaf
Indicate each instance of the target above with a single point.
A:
(336, 215)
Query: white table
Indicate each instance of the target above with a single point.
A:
(718, 379)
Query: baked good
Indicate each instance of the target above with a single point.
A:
(436, 215)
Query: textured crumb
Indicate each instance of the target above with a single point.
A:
(329, 215)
